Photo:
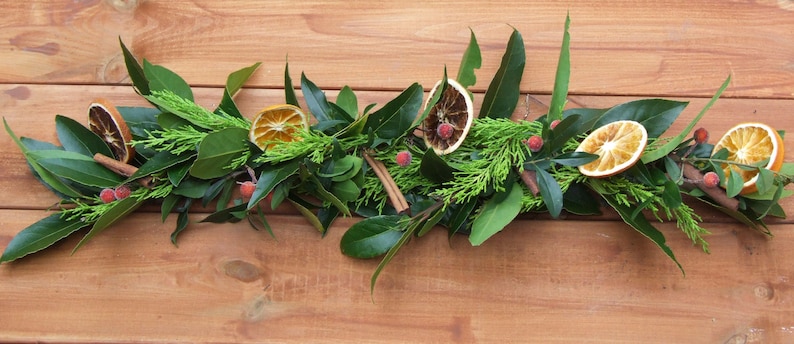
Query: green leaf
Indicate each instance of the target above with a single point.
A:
(656, 115)
(672, 169)
(77, 138)
(327, 196)
(51, 180)
(459, 215)
(550, 191)
(269, 178)
(396, 118)
(319, 106)
(406, 235)
(434, 168)
(440, 90)
(140, 119)
(735, 183)
(671, 195)
(169, 202)
(182, 220)
(230, 214)
(217, 151)
(372, 236)
(432, 219)
(76, 167)
(471, 60)
(347, 101)
(574, 158)
(641, 224)
(40, 235)
(234, 82)
(765, 181)
(289, 89)
(496, 213)
(502, 95)
(119, 210)
(668, 147)
(560, 94)
(159, 162)
(192, 188)
(567, 128)
(161, 79)
(578, 200)
(135, 71)
(346, 190)
(309, 216)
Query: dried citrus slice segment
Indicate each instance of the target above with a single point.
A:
(450, 119)
(750, 144)
(618, 145)
(277, 123)
(106, 121)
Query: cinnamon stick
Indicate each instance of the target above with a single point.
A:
(716, 193)
(122, 169)
(530, 179)
(395, 195)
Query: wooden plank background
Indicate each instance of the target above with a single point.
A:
(577, 280)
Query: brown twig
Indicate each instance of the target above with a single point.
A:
(716, 193)
(122, 169)
(530, 179)
(395, 195)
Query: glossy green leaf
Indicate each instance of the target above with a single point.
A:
(168, 205)
(76, 167)
(355, 168)
(574, 158)
(319, 106)
(641, 224)
(192, 188)
(289, 89)
(496, 213)
(135, 71)
(51, 180)
(75, 137)
(668, 147)
(177, 173)
(560, 94)
(734, 184)
(550, 191)
(440, 90)
(347, 101)
(404, 238)
(567, 128)
(346, 190)
(230, 214)
(119, 210)
(182, 220)
(432, 219)
(656, 115)
(472, 59)
(325, 195)
(765, 181)
(160, 162)
(672, 168)
(269, 178)
(161, 79)
(580, 201)
(459, 215)
(234, 82)
(371, 237)
(40, 235)
(434, 168)
(308, 215)
(671, 195)
(217, 151)
(502, 95)
(139, 119)
(396, 118)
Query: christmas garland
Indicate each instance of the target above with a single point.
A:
(392, 166)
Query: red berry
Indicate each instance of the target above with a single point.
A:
(701, 135)
(247, 189)
(445, 131)
(122, 192)
(711, 179)
(403, 158)
(535, 143)
(107, 195)
(554, 123)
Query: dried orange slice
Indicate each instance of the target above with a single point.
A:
(105, 121)
(618, 145)
(450, 119)
(749, 144)
(277, 123)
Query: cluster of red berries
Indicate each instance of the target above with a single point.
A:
(108, 195)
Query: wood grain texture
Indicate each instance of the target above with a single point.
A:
(674, 47)
(580, 280)
(538, 281)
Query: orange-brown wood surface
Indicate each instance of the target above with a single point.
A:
(575, 280)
